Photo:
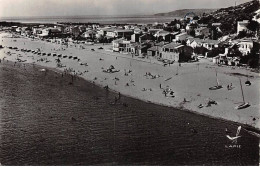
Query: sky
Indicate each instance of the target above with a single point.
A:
(16, 8)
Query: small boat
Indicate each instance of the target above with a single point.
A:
(200, 106)
(218, 86)
(64, 56)
(248, 83)
(215, 87)
(70, 57)
(244, 104)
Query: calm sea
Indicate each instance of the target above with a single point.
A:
(138, 19)
(37, 128)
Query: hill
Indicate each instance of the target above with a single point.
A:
(229, 17)
(183, 12)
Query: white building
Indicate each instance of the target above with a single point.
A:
(245, 46)
(242, 25)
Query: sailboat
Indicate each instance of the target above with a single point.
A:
(244, 104)
(218, 85)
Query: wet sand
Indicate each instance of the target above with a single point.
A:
(192, 81)
(47, 120)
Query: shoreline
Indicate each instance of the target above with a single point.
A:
(250, 129)
(173, 103)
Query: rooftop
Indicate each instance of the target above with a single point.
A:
(123, 30)
(172, 45)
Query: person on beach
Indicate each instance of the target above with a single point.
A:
(160, 85)
(228, 87)
(184, 100)
(164, 92)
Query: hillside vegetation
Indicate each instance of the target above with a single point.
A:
(229, 17)
(183, 12)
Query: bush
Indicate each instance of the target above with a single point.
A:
(215, 52)
(252, 59)
(253, 25)
(200, 50)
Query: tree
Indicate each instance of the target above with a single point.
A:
(200, 50)
(174, 22)
(196, 18)
(241, 34)
(253, 25)
(183, 42)
(185, 54)
(215, 52)
(234, 52)
(252, 59)
(192, 33)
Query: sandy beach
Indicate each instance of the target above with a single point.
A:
(142, 78)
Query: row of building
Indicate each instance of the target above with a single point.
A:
(151, 40)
